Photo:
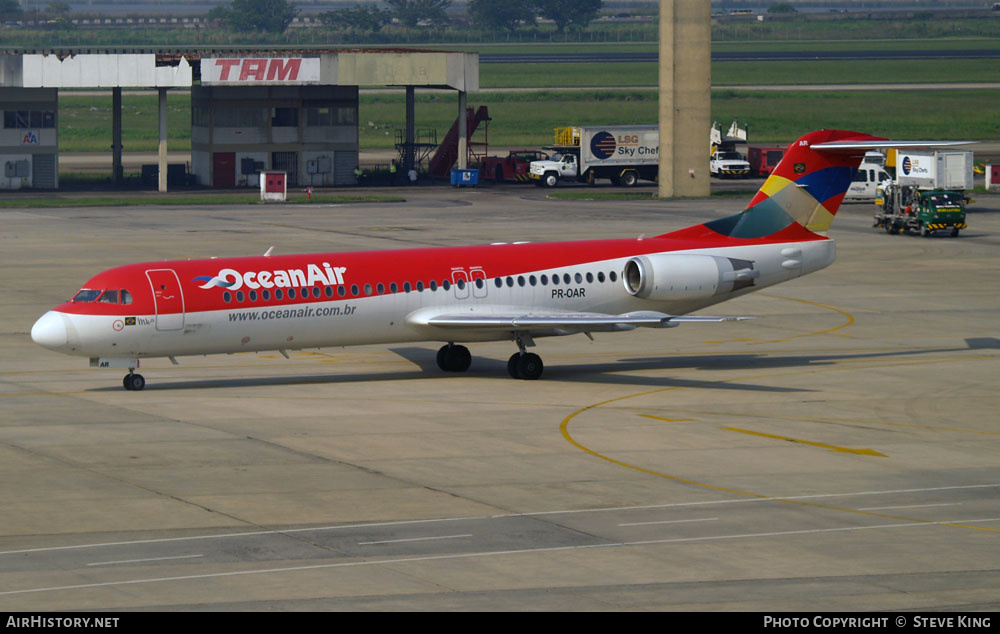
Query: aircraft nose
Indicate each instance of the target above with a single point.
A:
(50, 330)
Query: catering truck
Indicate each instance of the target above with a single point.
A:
(725, 160)
(621, 154)
(927, 194)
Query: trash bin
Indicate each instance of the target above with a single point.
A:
(461, 178)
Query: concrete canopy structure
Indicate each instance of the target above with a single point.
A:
(289, 107)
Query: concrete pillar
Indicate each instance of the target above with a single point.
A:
(163, 139)
(409, 151)
(117, 173)
(685, 97)
(463, 131)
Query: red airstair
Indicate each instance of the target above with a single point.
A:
(447, 153)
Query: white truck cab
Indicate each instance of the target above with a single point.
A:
(559, 166)
(728, 163)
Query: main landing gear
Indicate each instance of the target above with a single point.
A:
(133, 382)
(525, 365)
(522, 365)
(452, 358)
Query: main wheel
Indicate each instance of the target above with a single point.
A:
(512, 365)
(551, 179)
(134, 382)
(459, 358)
(954, 232)
(923, 230)
(454, 358)
(630, 178)
(529, 366)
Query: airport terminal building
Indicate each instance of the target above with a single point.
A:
(294, 111)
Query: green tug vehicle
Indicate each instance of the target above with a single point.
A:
(921, 211)
(926, 194)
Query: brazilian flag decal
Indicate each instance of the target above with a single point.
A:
(130, 321)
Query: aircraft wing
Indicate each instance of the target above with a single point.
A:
(562, 323)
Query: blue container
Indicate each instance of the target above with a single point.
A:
(460, 178)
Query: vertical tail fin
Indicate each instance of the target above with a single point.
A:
(810, 182)
(805, 189)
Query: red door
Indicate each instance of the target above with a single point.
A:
(168, 299)
(224, 169)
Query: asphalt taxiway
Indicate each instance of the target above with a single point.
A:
(837, 453)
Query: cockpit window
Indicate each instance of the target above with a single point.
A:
(109, 297)
(116, 296)
(86, 295)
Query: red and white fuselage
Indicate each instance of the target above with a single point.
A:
(491, 292)
(340, 299)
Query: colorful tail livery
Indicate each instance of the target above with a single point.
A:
(517, 292)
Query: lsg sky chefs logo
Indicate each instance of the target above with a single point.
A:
(912, 166)
(605, 145)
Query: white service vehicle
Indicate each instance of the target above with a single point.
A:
(865, 183)
(622, 154)
(724, 159)
(728, 163)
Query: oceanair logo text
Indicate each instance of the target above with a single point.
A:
(232, 279)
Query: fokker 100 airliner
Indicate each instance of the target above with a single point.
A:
(516, 292)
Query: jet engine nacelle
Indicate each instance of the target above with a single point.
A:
(686, 277)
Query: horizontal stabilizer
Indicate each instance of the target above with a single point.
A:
(849, 146)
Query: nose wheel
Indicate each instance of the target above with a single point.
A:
(133, 382)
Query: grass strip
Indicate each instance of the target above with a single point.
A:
(221, 199)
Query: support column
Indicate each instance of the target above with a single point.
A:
(685, 97)
(409, 151)
(463, 131)
(163, 139)
(117, 173)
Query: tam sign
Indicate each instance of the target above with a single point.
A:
(249, 71)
